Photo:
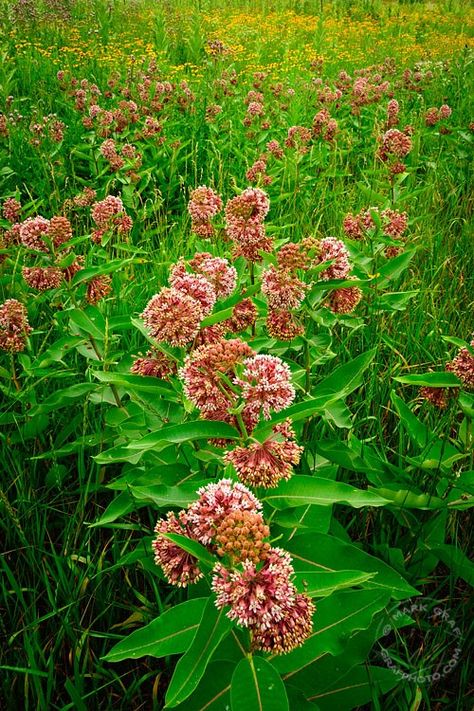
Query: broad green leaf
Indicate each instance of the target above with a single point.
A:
(300, 490)
(455, 559)
(347, 377)
(110, 266)
(323, 583)
(213, 691)
(336, 618)
(343, 381)
(436, 452)
(139, 383)
(193, 547)
(395, 300)
(318, 551)
(120, 506)
(161, 495)
(214, 626)
(432, 380)
(359, 686)
(297, 700)
(410, 499)
(175, 434)
(395, 267)
(90, 321)
(257, 686)
(171, 633)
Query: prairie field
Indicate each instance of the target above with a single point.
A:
(236, 355)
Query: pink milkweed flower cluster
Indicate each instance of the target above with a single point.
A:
(366, 90)
(219, 377)
(218, 272)
(175, 313)
(201, 377)
(298, 137)
(42, 278)
(194, 285)
(117, 157)
(11, 210)
(282, 288)
(109, 216)
(155, 364)
(257, 171)
(98, 288)
(32, 233)
(245, 215)
(394, 145)
(334, 250)
(393, 110)
(433, 115)
(393, 224)
(204, 204)
(275, 149)
(14, 326)
(345, 299)
(266, 385)
(462, 366)
(253, 579)
(285, 291)
(267, 463)
(324, 126)
(173, 317)
(201, 522)
(244, 315)
(48, 238)
(263, 599)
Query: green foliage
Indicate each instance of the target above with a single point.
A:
(375, 514)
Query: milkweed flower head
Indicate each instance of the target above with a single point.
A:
(333, 249)
(11, 209)
(218, 272)
(392, 223)
(256, 596)
(98, 288)
(241, 536)
(393, 109)
(172, 317)
(155, 364)
(32, 233)
(109, 215)
(195, 286)
(394, 145)
(204, 203)
(289, 632)
(245, 215)
(59, 230)
(244, 315)
(436, 396)
(282, 289)
(42, 278)
(345, 300)
(266, 464)
(266, 385)
(215, 503)
(180, 568)
(462, 366)
(282, 325)
(14, 326)
(253, 579)
(201, 376)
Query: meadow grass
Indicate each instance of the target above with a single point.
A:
(69, 591)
